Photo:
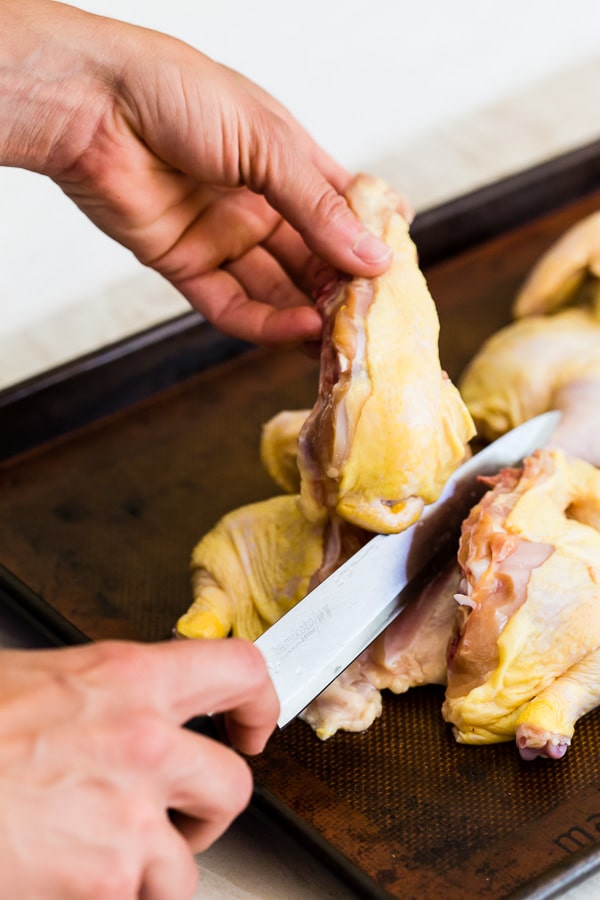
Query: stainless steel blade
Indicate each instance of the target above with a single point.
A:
(318, 638)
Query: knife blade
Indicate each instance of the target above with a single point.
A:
(309, 646)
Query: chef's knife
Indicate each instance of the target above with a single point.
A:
(319, 637)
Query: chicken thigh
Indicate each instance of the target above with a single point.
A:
(253, 566)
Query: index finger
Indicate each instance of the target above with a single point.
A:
(229, 676)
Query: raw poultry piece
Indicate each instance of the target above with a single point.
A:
(388, 426)
(256, 563)
(412, 651)
(279, 448)
(253, 566)
(536, 364)
(543, 362)
(571, 264)
(527, 659)
(350, 703)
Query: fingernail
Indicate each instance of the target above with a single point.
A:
(370, 249)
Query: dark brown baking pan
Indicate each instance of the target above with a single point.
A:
(115, 465)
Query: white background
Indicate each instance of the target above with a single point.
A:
(366, 78)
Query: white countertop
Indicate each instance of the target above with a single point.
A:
(254, 861)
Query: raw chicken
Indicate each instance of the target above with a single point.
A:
(543, 362)
(527, 659)
(536, 364)
(386, 431)
(279, 448)
(256, 563)
(571, 264)
(350, 703)
(412, 651)
(388, 426)
(527, 662)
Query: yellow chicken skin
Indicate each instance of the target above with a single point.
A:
(533, 365)
(254, 565)
(569, 265)
(388, 426)
(526, 662)
(549, 358)
(279, 448)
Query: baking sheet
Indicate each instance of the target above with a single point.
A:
(100, 524)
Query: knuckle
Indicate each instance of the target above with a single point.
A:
(146, 741)
(123, 663)
(240, 785)
(230, 792)
(331, 207)
(138, 818)
(117, 878)
(253, 669)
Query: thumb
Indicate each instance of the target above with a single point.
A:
(297, 188)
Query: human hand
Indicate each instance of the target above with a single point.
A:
(199, 172)
(93, 761)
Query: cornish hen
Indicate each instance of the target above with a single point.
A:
(526, 662)
(527, 658)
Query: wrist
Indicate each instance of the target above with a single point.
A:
(53, 88)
